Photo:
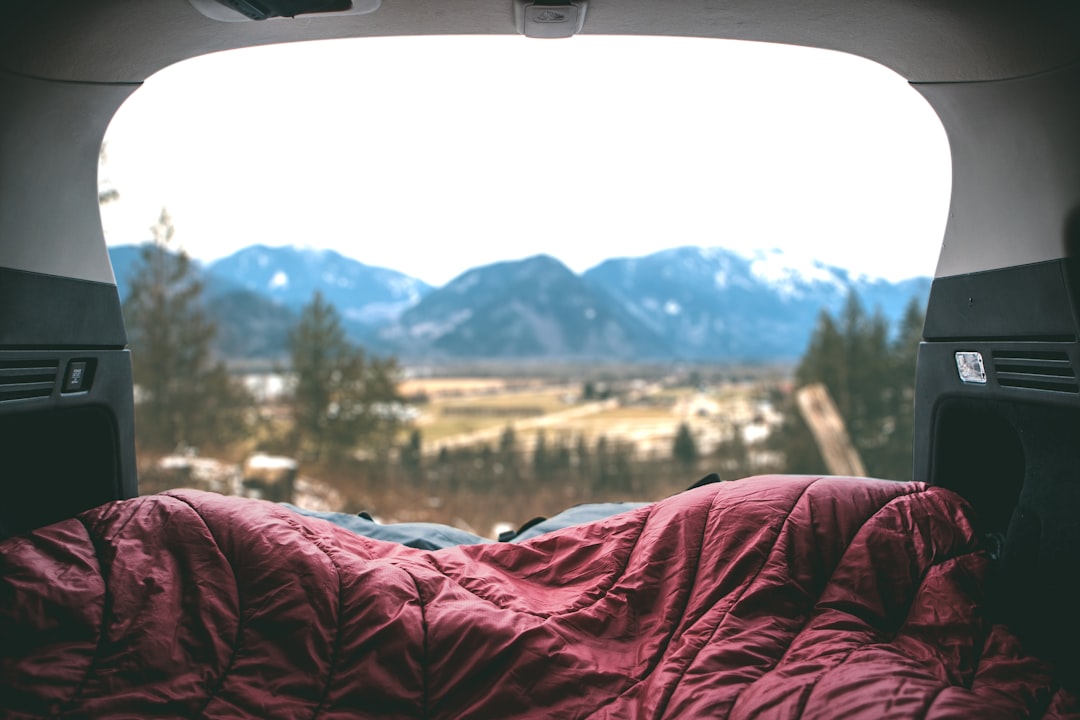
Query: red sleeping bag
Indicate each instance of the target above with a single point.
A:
(767, 597)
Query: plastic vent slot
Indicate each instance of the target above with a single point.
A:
(1035, 370)
(29, 379)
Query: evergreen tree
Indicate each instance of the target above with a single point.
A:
(904, 352)
(186, 397)
(825, 359)
(795, 441)
(561, 459)
(508, 444)
(541, 461)
(484, 477)
(684, 448)
(588, 391)
(584, 464)
(871, 381)
(508, 452)
(604, 472)
(873, 389)
(341, 398)
(622, 477)
(412, 454)
(733, 456)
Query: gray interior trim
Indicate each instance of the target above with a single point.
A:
(1016, 169)
(50, 137)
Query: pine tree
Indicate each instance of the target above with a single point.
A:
(870, 379)
(622, 479)
(562, 459)
(733, 456)
(412, 454)
(508, 453)
(871, 386)
(185, 395)
(583, 460)
(603, 471)
(903, 353)
(825, 359)
(541, 461)
(588, 391)
(684, 448)
(342, 398)
(508, 444)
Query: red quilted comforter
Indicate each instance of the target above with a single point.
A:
(768, 597)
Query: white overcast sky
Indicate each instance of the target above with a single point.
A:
(434, 155)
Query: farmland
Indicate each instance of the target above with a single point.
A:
(484, 450)
(644, 414)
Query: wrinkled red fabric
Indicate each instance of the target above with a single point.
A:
(771, 597)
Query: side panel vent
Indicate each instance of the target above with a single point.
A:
(1035, 370)
(29, 379)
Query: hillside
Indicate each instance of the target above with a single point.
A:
(687, 303)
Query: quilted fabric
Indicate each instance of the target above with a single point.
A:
(768, 597)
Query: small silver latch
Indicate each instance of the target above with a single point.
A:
(970, 367)
(549, 20)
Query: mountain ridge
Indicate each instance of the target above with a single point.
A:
(684, 303)
(713, 303)
(535, 307)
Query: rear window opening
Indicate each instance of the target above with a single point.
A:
(543, 273)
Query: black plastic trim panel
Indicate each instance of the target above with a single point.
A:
(66, 449)
(45, 311)
(939, 383)
(1030, 302)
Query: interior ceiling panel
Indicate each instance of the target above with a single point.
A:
(123, 41)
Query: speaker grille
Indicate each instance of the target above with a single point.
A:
(1048, 370)
(25, 380)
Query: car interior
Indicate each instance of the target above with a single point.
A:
(997, 406)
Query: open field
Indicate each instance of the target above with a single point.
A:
(645, 416)
(605, 438)
(447, 418)
(452, 387)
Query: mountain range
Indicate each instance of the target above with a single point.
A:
(686, 303)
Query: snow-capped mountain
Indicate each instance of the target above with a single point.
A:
(686, 303)
(535, 307)
(255, 295)
(363, 294)
(249, 324)
(710, 303)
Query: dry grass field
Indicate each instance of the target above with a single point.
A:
(452, 387)
(465, 478)
(646, 417)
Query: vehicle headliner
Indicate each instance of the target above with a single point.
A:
(929, 41)
(1002, 76)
